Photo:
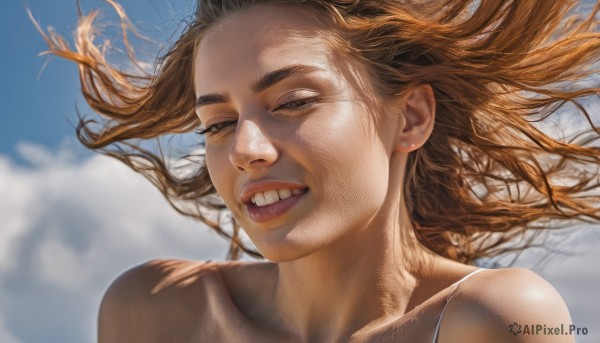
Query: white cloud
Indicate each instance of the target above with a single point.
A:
(68, 228)
(5, 335)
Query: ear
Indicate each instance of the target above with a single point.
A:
(419, 117)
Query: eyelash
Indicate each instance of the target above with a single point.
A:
(218, 127)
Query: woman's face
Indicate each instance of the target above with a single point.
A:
(289, 109)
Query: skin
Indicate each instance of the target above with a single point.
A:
(344, 262)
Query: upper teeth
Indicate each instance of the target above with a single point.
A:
(273, 195)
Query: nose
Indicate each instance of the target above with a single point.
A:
(251, 148)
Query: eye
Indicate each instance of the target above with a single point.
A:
(290, 106)
(215, 128)
(299, 104)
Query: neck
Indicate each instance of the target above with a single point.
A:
(362, 280)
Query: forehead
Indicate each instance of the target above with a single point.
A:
(257, 40)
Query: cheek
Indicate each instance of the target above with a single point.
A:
(348, 161)
(218, 170)
(211, 166)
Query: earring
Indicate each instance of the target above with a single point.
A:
(405, 145)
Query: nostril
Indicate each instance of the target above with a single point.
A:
(258, 161)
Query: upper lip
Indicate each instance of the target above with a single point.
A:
(249, 189)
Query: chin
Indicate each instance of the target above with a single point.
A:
(279, 251)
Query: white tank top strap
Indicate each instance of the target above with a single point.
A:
(450, 296)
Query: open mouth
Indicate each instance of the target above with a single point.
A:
(267, 212)
(274, 196)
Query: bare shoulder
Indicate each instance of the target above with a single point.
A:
(496, 305)
(158, 301)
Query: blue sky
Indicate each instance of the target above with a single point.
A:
(60, 204)
(37, 104)
(71, 220)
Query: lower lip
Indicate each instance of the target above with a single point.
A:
(261, 214)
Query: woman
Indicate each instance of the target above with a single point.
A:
(372, 151)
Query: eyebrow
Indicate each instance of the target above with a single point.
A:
(259, 85)
(209, 99)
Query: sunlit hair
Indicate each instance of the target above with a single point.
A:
(485, 178)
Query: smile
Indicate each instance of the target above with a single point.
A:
(266, 206)
(272, 196)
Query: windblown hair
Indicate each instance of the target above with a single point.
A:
(486, 177)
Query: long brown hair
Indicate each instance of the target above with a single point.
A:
(486, 177)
